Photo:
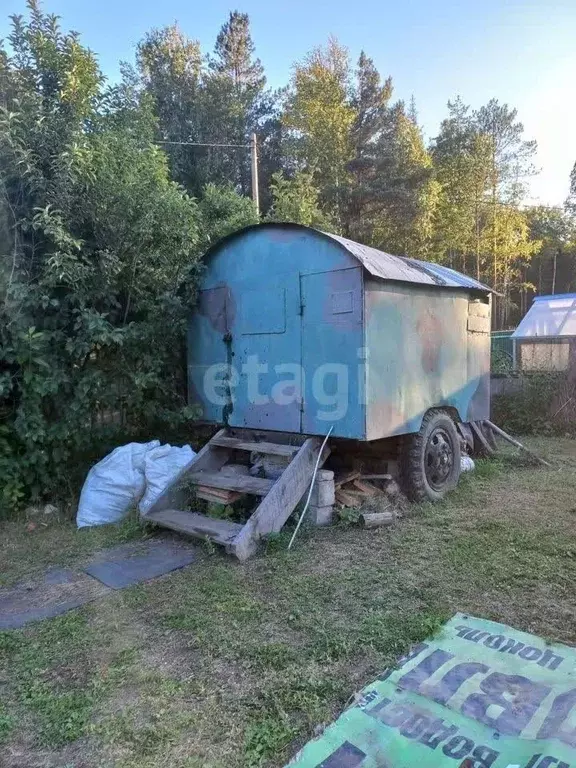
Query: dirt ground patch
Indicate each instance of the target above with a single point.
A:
(228, 664)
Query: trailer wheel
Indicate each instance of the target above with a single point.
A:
(430, 458)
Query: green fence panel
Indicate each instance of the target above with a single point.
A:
(502, 351)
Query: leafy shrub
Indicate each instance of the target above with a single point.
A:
(538, 407)
(99, 261)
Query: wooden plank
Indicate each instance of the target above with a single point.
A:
(346, 499)
(217, 495)
(515, 442)
(275, 449)
(366, 488)
(489, 435)
(347, 477)
(354, 493)
(220, 531)
(207, 458)
(481, 439)
(243, 483)
(278, 505)
(376, 519)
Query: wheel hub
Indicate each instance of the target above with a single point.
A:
(438, 458)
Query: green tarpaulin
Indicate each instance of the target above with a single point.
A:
(478, 694)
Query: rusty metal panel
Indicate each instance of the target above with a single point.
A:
(251, 319)
(266, 349)
(478, 360)
(207, 350)
(384, 265)
(420, 356)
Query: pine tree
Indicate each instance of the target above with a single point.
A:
(296, 200)
(404, 187)
(462, 160)
(510, 164)
(370, 102)
(235, 103)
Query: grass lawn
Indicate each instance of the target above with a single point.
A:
(223, 664)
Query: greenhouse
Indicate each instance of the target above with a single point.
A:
(545, 340)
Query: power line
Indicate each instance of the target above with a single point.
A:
(200, 144)
(253, 147)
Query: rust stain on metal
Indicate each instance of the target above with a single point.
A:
(385, 414)
(429, 329)
(217, 305)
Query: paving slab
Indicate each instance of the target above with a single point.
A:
(55, 592)
(128, 564)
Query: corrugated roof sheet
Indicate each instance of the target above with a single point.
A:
(388, 267)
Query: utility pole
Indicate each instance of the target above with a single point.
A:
(254, 164)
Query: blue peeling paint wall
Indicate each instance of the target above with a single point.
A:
(292, 333)
(276, 301)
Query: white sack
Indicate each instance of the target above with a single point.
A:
(160, 467)
(114, 485)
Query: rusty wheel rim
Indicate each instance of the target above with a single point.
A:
(438, 458)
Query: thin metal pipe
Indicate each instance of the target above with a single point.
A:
(311, 488)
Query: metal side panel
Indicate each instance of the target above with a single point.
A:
(332, 353)
(422, 355)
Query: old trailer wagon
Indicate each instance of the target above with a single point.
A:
(299, 334)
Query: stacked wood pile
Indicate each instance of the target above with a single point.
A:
(353, 488)
(375, 495)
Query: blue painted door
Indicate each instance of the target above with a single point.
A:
(266, 334)
(333, 353)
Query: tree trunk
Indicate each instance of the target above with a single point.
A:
(554, 264)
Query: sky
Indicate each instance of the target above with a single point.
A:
(522, 52)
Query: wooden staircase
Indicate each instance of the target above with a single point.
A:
(207, 473)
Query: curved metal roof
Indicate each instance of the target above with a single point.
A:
(378, 263)
(388, 267)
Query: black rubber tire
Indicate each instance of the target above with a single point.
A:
(417, 483)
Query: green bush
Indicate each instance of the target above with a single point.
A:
(99, 261)
(535, 408)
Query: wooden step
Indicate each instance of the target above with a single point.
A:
(259, 486)
(277, 506)
(276, 449)
(219, 531)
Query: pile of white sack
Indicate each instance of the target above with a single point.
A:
(132, 474)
